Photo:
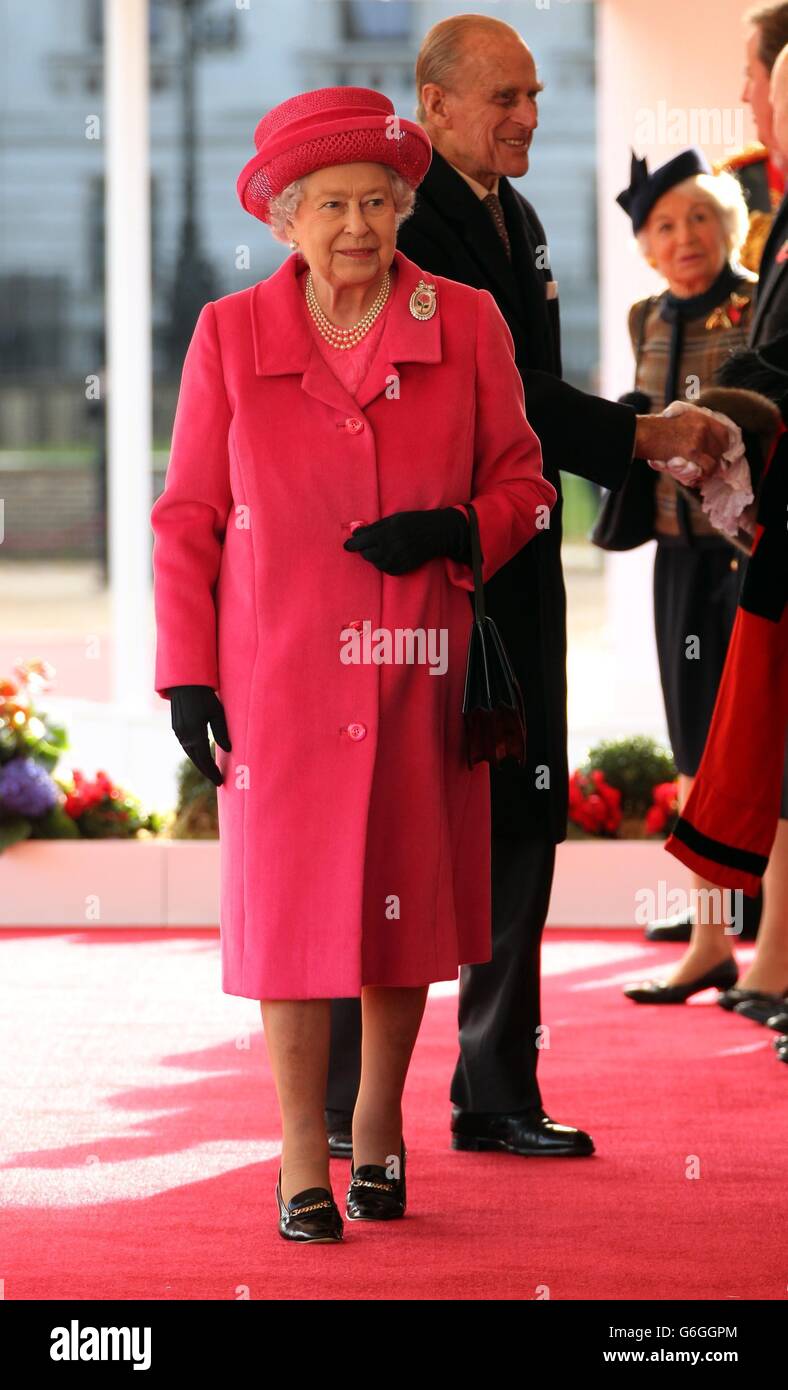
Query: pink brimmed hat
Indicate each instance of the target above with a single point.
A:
(333, 125)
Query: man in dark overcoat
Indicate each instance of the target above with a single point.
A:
(478, 90)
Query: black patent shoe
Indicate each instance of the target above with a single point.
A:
(678, 928)
(760, 1006)
(311, 1216)
(723, 977)
(528, 1133)
(731, 997)
(781, 1048)
(779, 1021)
(372, 1196)
(339, 1129)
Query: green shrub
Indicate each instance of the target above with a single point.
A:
(633, 765)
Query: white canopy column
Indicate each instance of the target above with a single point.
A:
(128, 307)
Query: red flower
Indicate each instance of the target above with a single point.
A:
(663, 808)
(87, 793)
(593, 804)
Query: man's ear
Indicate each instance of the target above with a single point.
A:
(433, 99)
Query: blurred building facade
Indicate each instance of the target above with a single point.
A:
(214, 70)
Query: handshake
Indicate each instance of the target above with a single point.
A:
(691, 435)
(703, 449)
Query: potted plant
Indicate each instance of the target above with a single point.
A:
(38, 803)
(626, 789)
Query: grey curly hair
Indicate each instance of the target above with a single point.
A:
(723, 193)
(283, 207)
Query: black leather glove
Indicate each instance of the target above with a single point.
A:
(193, 708)
(401, 542)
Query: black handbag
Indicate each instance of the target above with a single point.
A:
(492, 705)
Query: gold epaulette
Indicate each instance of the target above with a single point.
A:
(755, 153)
(752, 251)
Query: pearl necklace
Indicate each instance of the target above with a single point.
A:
(344, 338)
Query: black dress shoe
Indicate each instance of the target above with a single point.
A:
(760, 1006)
(339, 1128)
(779, 1022)
(311, 1216)
(677, 928)
(731, 997)
(723, 976)
(529, 1133)
(781, 1048)
(372, 1196)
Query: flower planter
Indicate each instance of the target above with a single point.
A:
(110, 883)
(602, 883)
(175, 883)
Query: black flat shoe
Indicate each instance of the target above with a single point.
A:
(678, 928)
(731, 997)
(760, 1006)
(528, 1133)
(372, 1196)
(339, 1129)
(723, 976)
(310, 1217)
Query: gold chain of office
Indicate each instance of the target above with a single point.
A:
(344, 338)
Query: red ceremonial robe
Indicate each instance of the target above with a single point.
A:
(728, 825)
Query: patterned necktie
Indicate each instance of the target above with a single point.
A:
(495, 208)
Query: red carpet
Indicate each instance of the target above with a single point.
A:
(140, 1139)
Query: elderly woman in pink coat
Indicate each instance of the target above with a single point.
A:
(311, 581)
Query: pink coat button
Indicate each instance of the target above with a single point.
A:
(354, 425)
(357, 731)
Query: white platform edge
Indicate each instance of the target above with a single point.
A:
(175, 883)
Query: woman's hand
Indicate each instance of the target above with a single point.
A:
(193, 708)
(401, 542)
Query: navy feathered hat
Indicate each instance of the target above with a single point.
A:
(645, 188)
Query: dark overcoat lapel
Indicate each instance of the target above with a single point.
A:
(451, 233)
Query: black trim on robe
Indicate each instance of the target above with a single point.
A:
(717, 850)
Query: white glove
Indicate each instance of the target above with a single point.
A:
(725, 493)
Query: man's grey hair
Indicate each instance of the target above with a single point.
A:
(445, 47)
(284, 207)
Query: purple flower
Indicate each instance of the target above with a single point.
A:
(26, 788)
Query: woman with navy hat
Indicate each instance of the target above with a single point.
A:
(333, 421)
(689, 225)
